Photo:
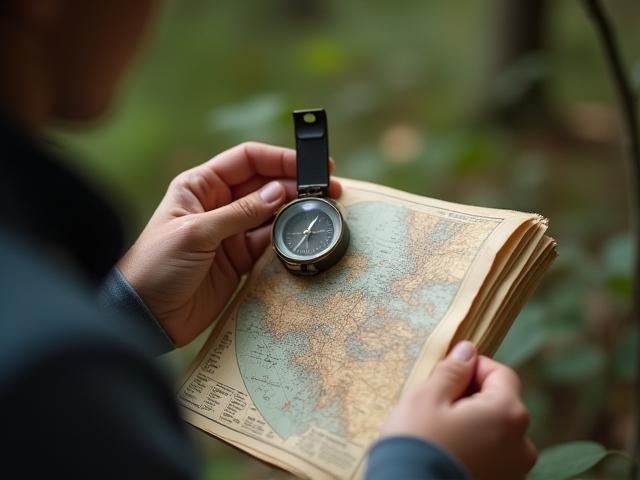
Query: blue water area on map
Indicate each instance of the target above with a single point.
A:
(287, 393)
(443, 231)
(436, 298)
(357, 350)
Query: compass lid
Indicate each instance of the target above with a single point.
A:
(312, 152)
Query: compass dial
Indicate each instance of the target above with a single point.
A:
(308, 232)
(307, 229)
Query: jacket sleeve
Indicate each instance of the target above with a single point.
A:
(117, 294)
(94, 411)
(411, 458)
(81, 395)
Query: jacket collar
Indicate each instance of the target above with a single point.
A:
(47, 202)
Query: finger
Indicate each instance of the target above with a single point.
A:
(241, 215)
(241, 162)
(207, 186)
(335, 188)
(237, 250)
(494, 376)
(224, 275)
(452, 376)
(256, 182)
(530, 454)
(197, 190)
(258, 240)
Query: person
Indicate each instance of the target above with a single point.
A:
(80, 394)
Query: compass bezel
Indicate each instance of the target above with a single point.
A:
(310, 264)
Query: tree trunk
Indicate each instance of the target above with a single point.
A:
(514, 90)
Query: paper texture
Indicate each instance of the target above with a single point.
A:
(302, 371)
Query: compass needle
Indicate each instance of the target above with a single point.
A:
(313, 223)
(299, 243)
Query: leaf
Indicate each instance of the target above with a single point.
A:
(635, 75)
(525, 339)
(476, 152)
(618, 256)
(223, 468)
(514, 82)
(323, 56)
(256, 113)
(617, 259)
(622, 287)
(574, 364)
(567, 460)
(538, 403)
(564, 314)
(625, 355)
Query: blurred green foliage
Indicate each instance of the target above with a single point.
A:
(404, 84)
(567, 460)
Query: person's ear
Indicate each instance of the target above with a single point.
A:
(37, 13)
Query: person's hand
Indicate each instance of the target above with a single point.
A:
(208, 231)
(471, 407)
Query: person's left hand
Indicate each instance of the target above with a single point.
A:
(208, 230)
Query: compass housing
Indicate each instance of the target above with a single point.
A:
(323, 254)
(309, 234)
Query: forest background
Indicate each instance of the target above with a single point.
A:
(497, 103)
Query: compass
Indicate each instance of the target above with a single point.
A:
(310, 233)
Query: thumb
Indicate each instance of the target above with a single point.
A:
(452, 376)
(245, 213)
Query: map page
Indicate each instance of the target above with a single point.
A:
(302, 371)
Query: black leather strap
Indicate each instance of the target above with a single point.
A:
(312, 150)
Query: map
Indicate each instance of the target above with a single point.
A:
(303, 371)
(336, 357)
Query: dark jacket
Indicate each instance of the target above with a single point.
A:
(80, 393)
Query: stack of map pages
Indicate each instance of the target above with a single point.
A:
(301, 372)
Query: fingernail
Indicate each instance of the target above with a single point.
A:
(463, 351)
(271, 192)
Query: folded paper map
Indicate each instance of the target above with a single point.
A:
(302, 371)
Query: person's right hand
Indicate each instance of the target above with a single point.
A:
(471, 407)
(208, 231)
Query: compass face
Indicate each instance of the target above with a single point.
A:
(307, 229)
(308, 232)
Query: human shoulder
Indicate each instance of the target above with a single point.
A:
(79, 390)
(46, 310)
